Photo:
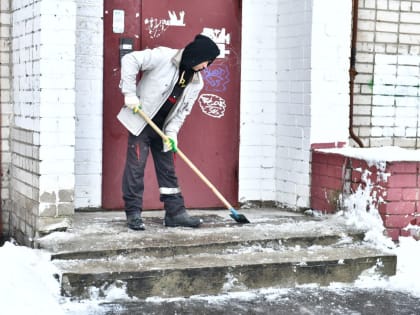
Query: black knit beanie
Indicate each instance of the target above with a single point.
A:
(200, 50)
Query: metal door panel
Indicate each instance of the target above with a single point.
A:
(114, 134)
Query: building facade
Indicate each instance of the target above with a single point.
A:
(294, 95)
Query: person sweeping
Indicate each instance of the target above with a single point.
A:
(169, 86)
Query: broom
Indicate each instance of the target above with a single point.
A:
(240, 218)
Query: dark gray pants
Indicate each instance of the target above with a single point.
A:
(133, 177)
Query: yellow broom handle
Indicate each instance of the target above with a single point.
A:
(185, 158)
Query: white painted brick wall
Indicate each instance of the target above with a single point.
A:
(293, 111)
(391, 78)
(24, 167)
(6, 110)
(43, 127)
(89, 68)
(330, 64)
(57, 114)
(257, 161)
(275, 102)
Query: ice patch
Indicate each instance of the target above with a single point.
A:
(232, 283)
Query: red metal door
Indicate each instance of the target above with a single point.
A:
(121, 20)
(210, 135)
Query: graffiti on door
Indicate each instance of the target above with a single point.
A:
(216, 78)
(212, 105)
(220, 37)
(156, 26)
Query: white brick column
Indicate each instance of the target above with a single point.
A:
(57, 111)
(275, 102)
(330, 63)
(294, 108)
(257, 154)
(43, 134)
(89, 72)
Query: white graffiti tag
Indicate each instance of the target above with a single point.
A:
(220, 37)
(173, 19)
(156, 26)
(212, 105)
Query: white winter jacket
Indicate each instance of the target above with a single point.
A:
(160, 72)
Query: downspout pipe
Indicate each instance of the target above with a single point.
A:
(352, 70)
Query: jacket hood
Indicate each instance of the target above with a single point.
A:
(201, 49)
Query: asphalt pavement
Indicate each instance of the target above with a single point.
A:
(301, 301)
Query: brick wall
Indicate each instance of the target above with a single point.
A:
(292, 136)
(24, 129)
(43, 129)
(352, 182)
(330, 50)
(328, 171)
(6, 111)
(57, 113)
(388, 64)
(294, 94)
(274, 148)
(257, 162)
(89, 68)
(400, 206)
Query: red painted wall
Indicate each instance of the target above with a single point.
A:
(327, 180)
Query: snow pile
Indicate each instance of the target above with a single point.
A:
(361, 212)
(405, 280)
(29, 285)
(27, 282)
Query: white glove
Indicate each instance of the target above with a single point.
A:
(132, 101)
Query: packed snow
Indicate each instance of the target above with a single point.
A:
(386, 153)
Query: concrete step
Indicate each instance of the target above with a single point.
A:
(214, 274)
(279, 248)
(105, 234)
(206, 239)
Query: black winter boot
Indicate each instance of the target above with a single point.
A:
(135, 222)
(182, 219)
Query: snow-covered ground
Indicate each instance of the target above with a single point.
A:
(28, 284)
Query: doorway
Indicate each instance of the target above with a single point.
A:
(210, 135)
